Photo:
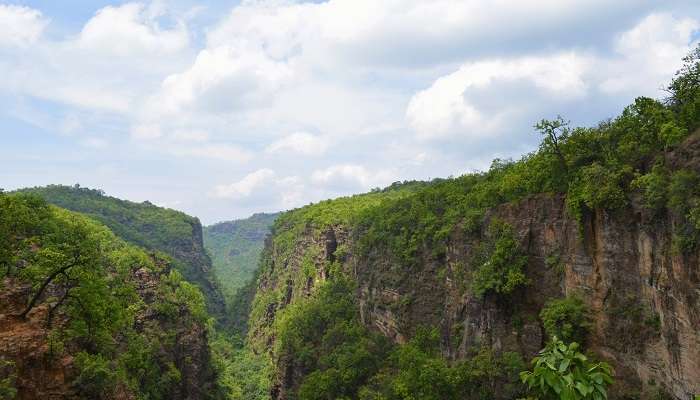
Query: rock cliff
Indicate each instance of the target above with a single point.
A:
(643, 294)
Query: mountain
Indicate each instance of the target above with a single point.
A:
(447, 290)
(171, 232)
(84, 314)
(235, 248)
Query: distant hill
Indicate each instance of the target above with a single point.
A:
(235, 248)
(155, 228)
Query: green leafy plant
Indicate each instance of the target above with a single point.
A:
(500, 266)
(566, 318)
(560, 371)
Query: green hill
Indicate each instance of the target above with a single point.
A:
(85, 315)
(235, 248)
(155, 228)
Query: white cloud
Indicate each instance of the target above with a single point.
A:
(245, 186)
(146, 131)
(223, 79)
(191, 135)
(118, 58)
(222, 152)
(95, 143)
(21, 26)
(649, 54)
(132, 30)
(300, 143)
(351, 176)
(264, 187)
(444, 109)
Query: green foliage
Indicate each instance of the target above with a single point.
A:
(323, 338)
(654, 188)
(7, 379)
(145, 225)
(96, 378)
(87, 277)
(684, 201)
(566, 318)
(685, 91)
(500, 263)
(560, 371)
(596, 186)
(179, 297)
(235, 249)
(683, 191)
(328, 213)
(420, 373)
(416, 370)
(242, 374)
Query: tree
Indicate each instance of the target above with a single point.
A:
(685, 90)
(562, 372)
(555, 132)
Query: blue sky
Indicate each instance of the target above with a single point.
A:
(226, 108)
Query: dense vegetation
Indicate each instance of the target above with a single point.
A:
(235, 248)
(155, 228)
(322, 337)
(87, 281)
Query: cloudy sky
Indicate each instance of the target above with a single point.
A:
(225, 108)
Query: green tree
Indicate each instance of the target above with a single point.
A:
(685, 90)
(555, 133)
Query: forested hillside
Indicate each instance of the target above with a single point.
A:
(447, 290)
(235, 248)
(85, 315)
(174, 233)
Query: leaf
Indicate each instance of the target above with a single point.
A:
(583, 388)
(564, 365)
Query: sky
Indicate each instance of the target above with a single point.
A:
(224, 108)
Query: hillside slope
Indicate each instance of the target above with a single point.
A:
(235, 248)
(174, 233)
(444, 292)
(83, 314)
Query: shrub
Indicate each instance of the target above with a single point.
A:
(566, 318)
(654, 188)
(500, 265)
(96, 378)
(560, 371)
(597, 186)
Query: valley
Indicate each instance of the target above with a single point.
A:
(572, 272)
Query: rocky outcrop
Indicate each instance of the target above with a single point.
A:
(44, 369)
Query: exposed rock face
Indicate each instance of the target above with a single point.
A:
(25, 342)
(643, 295)
(43, 372)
